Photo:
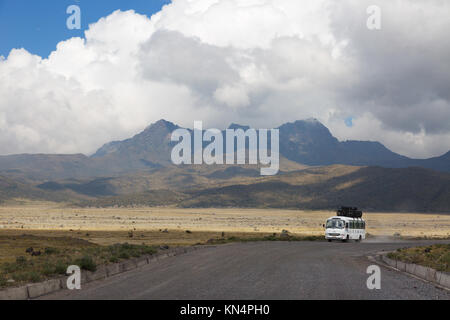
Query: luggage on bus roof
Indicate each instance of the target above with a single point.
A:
(351, 212)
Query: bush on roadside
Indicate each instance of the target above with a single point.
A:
(86, 263)
(114, 259)
(126, 250)
(434, 256)
(3, 280)
(27, 276)
(54, 261)
(60, 267)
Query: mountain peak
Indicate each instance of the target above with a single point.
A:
(308, 125)
(154, 136)
(312, 120)
(162, 124)
(309, 121)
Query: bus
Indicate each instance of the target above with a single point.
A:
(345, 228)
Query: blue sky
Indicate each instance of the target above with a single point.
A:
(39, 25)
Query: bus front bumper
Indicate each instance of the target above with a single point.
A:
(334, 236)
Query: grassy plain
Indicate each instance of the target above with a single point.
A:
(53, 217)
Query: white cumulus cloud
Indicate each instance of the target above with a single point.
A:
(256, 62)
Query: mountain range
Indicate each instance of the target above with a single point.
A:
(317, 171)
(306, 142)
(311, 143)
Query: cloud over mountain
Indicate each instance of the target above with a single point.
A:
(261, 62)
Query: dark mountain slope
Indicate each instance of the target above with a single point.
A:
(11, 189)
(370, 188)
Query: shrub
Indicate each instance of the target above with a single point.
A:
(32, 276)
(60, 267)
(48, 269)
(21, 261)
(2, 281)
(148, 250)
(136, 253)
(86, 263)
(51, 251)
(124, 255)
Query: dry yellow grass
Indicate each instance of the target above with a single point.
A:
(56, 217)
(13, 244)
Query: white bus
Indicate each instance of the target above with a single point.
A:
(345, 228)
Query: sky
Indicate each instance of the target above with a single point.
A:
(40, 25)
(254, 62)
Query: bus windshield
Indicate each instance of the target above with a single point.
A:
(335, 224)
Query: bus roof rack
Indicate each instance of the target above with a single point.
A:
(351, 212)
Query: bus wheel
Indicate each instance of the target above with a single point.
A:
(329, 240)
(360, 238)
